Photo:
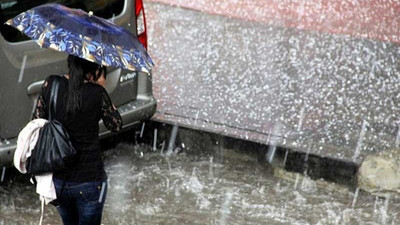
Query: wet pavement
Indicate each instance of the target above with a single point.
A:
(331, 95)
(205, 187)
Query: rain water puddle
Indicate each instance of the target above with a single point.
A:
(146, 187)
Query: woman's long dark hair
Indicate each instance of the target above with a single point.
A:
(79, 71)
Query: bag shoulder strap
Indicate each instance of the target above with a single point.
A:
(53, 99)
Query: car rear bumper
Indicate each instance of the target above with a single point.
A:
(7, 149)
(132, 113)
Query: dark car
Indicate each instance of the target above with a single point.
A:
(24, 66)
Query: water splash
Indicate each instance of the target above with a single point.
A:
(353, 204)
(309, 147)
(397, 142)
(172, 139)
(167, 181)
(273, 142)
(142, 130)
(155, 140)
(3, 172)
(162, 148)
(193, 184)
(285, 158)
(375, 206)
(139, 179)
(384, 211)
(196, 118)
(296, 181)
(360, 141)
(301, 118)
(169, 165)
(22, 71)
(225, 211)
(210, 168)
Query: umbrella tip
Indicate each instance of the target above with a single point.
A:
(90, 13)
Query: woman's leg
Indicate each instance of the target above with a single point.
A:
(66, 206)
(90, 202)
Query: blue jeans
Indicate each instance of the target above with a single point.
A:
(81, 203)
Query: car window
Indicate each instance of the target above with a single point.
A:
(10, 8)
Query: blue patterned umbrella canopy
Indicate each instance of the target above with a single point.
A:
(84, 35)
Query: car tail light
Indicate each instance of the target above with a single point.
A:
(141, 23)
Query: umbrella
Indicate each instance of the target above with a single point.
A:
(84, 35)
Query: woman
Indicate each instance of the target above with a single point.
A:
(81, 103)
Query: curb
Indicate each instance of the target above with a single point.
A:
(197, 139)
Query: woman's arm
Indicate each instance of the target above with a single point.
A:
(40, 110)
(109, 114)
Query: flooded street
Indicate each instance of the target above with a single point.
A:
(201, 187)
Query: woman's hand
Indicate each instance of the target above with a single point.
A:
(101, 78)
(101, 81)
